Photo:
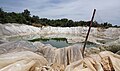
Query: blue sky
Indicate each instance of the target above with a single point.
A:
(107, 10)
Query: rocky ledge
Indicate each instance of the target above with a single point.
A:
(35, 56)
(29, 56)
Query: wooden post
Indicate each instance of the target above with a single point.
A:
(88, 32)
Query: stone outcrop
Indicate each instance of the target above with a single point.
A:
(56, 59)
(16, 46)
(35, 56)
(78, 33)
(30, 61)
(63, 56)
(104, 61)
(22, 61)
(16, 29)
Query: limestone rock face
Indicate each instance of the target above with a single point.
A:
(56, 57)
(28, 56)
(29, 61)
(17, 29)
(1, 33)
(62, 56)
(96, 34)
(104, 61)
(16, 46)
(22, 61)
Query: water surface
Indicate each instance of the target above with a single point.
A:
(56, 42)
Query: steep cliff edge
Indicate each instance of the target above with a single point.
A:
(97, 35)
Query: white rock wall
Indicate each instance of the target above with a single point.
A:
(17, 29)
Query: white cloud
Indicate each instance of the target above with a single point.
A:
(72, 9)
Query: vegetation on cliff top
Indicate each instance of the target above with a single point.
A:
(26, 18)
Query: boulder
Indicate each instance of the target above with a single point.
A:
(16, 46)
(104, 61)
(62, 56)
(22, 61)
(113, 48)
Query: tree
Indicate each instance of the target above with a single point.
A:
(70, 23)
(26, 12)
(105, 24)
(116, 26)
(110, 25)
(1, 10)
(35, 19)
(27, 16)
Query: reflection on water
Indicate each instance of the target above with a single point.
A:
(60, 42)
(56, 42)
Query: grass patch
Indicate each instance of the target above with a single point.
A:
(89, 43)
(101, 41)
(112, 48)
(47, 39)
(59, 39)
(39, 39)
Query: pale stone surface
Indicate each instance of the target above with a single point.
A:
(29, 61)
(16, 46)
(17, 29)
(95, 34)
(63, 56)
(11, 29)
(57, 59)
(22, 61)
(104, 61)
